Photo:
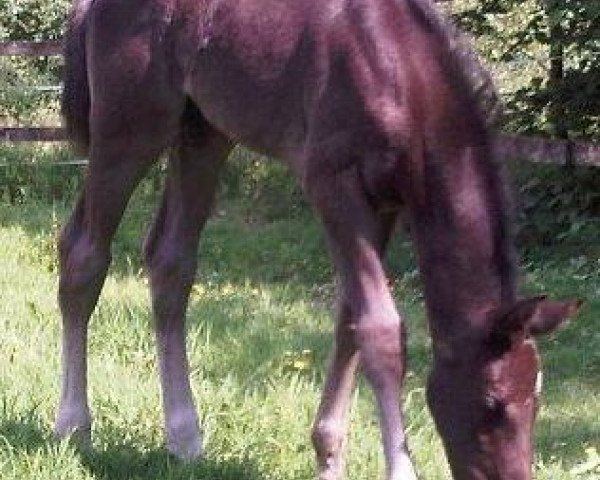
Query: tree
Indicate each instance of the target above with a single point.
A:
(563, 98)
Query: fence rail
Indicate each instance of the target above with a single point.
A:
(32, 134)
(48, 48)
(508, 146)
(547, 150)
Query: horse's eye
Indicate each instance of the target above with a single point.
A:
(493, 405)
(495, 412)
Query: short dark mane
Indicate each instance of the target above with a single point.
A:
(476, 76)
(481, 89)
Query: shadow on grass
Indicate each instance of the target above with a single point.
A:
(565, 439)
(252, 348)
(127, 462)
(24, 433)
(122, 461)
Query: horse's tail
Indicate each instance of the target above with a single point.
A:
(76, 91)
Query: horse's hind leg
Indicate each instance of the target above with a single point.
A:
(370, 324)
(170, 254)
(84, 251)
(129, 128)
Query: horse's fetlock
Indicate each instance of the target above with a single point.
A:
(74, 423)
(184, 438)
(327, 438)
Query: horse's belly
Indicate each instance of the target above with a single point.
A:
(267, 115)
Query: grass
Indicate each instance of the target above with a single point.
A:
(259, 335)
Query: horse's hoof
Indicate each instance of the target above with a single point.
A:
(185, 441)
(332, 469)
(79, 436)
(329, 474)
(404, 470)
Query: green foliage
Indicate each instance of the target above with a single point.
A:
(28, 91)
(33, 173)
(32, 19)
(558, 205)
(21, 101)
(264, 188)
(564, 94)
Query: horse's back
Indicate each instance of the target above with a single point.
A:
(249, 65)
(280, 74)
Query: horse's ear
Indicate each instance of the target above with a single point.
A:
(551, 315)
(533, 316)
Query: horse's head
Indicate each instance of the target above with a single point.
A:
(484, 403)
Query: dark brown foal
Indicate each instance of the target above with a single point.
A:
(375, 105)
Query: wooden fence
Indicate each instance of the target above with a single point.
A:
(31, 134)
(48, 48)
(514, 147)
(547, 150)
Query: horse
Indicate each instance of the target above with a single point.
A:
(373, 107)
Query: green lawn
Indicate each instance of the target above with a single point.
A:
(259, 333)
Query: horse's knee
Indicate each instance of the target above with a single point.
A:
(168, 262)
(381, 342)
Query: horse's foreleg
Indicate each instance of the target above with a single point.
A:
(371, 326)
(331, 423)
(170, 255)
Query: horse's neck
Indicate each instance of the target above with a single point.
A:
(464, 242)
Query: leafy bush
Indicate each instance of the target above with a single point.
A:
(21, 101)
(259, 188)
(32, 19)
(32, 172)
(558, 204)
(25, 98)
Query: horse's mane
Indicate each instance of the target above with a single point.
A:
(481, 89)
(477, 77)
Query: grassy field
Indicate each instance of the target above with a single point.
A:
(259, 334)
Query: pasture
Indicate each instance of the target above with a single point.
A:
(259, 332)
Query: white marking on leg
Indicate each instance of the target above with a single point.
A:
(403, 470)
(73, 419)
(398, 463)
(184, 439)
